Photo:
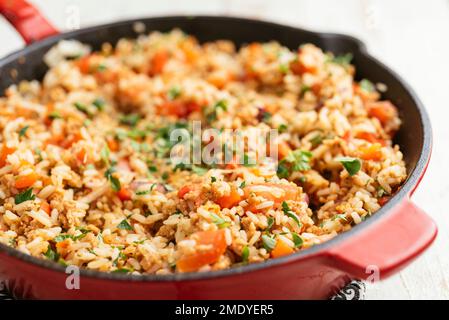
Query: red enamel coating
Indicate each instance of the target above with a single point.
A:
(28, 21)
(388, 244)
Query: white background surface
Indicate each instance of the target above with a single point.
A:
(412, 37)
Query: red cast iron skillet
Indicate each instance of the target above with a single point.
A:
(375, 249)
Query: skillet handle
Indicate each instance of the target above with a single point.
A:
(27, 20)
(386, 246)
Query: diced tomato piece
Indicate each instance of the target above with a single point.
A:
(190, 50)
(183, 191)
(178, 108)
(26, 181)
(81, 156)
(83, 64)
(230, 200)
(347, 136)
(383, 200)
(372, 152)
(113, 144)
(124, 194)
(46, 207)
(159, 61)
(283, 149)
(382, 110)
(370, 137)
(6, 151)
(216, 240)
(281, 249)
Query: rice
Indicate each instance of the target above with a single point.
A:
(86, 176)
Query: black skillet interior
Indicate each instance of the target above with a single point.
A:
(411, 137)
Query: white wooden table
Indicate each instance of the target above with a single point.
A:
(410, 36)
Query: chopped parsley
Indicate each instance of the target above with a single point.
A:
(219, 221)
(24, 196)
(23, 131)
(266, 116)
(213, 179)
(105, 153)
(51, 254)
(297, 240)
(143, 192)
(268, 242)
(284, 68)
(367, 85)
(316, 140)
(99, 104)
(81, 107)
(352, 165)
(55, 115)
(297, 160)
(115, 183)
(270, 222)
(343, 60)
(121, 270)
(173, 93)
(124, 225)
(282, 128)
(130, 119)
(245, 254)
(304, 89)
(288, 212)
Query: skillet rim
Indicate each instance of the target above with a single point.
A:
(402, 195)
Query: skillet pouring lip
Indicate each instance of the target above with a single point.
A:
(406, 189)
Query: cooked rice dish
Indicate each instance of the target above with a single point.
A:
(87, 176)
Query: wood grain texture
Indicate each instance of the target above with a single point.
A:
(410, 36)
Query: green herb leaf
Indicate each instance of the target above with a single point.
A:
(121, 270)
(282, 128)
(304, 89)
(284, 68)
(115, 183)
(247, 161)
(352, 165)
(81, 107)
(245, 254)
(282, 171)
(367, 85)
(270, 222)
(221, 104)
(268, 242)
(299, 160)
(243, 185)
(24, 196)
(130, 119)
(297, 240)
(55, 115)
(51, 254)
(219, 221)
(290, 213)
(266, 116)
(124, 225)
(143, 192)
(213, 179)
(343, 60)
(99, 104)
(316, 140)
(174, 93)
(105, 154)
(23, 131)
